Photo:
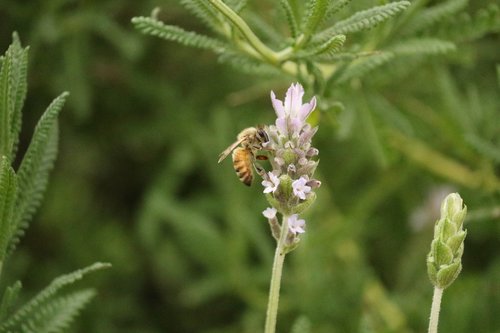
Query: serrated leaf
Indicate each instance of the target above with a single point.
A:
(153, 27)
(8, 299)
(290, 17)
(19, 90)
(363, 20)
(330, 47)
(204, 11)
(58, 314)
(423, 46)
(8, 194)
(47, 295)
(315, 14)
(6, 103)
(36, 164)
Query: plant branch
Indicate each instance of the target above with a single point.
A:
(266, 53)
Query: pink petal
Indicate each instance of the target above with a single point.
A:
(278, 106)
(306, 109)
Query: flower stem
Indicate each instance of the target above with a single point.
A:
(249, 35)
(436, 306)
(274, 289)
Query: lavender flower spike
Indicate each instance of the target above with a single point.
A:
(290, 187)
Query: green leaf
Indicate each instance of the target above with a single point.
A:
(153, 27)
(19, 90)
(12, 95)
(58, 314)
(5, 103)
(429, 46)
(8, 299)
(315, 14)
(8, 193)
(335, 6)
(47, 299)
(290, 17)
(328, 48)
(430, 16)
(363, 20)
(204, 11)
(34, 170)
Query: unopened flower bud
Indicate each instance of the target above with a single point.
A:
(444, 259)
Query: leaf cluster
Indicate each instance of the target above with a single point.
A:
(21, 193)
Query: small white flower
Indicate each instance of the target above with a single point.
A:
(270, 213)
(271, 185)
(296, 225)
(300, 189)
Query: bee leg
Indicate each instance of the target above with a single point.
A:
(260, 170)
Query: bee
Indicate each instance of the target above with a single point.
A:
(250, 140)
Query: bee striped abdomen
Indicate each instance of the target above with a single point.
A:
(242, 162)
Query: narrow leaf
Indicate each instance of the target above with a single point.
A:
(19, 89)
(58, 314)
(36, 164)
(315, 15)
(8, 192)
(5, 103)
(328, 48)
(8, 299)
(48, 294)
(204, 11)
(151, 26)
(364, 20)
(290, 17)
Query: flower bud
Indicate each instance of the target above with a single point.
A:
(444, 259)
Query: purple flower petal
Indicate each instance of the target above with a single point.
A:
(278, 106)
(270, 213)
(296, 225)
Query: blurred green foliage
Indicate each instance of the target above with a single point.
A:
(136, 182)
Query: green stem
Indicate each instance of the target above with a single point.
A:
(252, 39)
(436, 306)
(274, 289)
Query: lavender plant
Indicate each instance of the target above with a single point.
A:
(21, 192)
(444, 261)
(289, 186)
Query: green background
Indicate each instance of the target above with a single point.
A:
(136, 182)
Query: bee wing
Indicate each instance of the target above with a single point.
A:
(229, 149)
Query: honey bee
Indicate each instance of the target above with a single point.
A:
(250, 140)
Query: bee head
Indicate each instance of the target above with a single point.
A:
(262, 134)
